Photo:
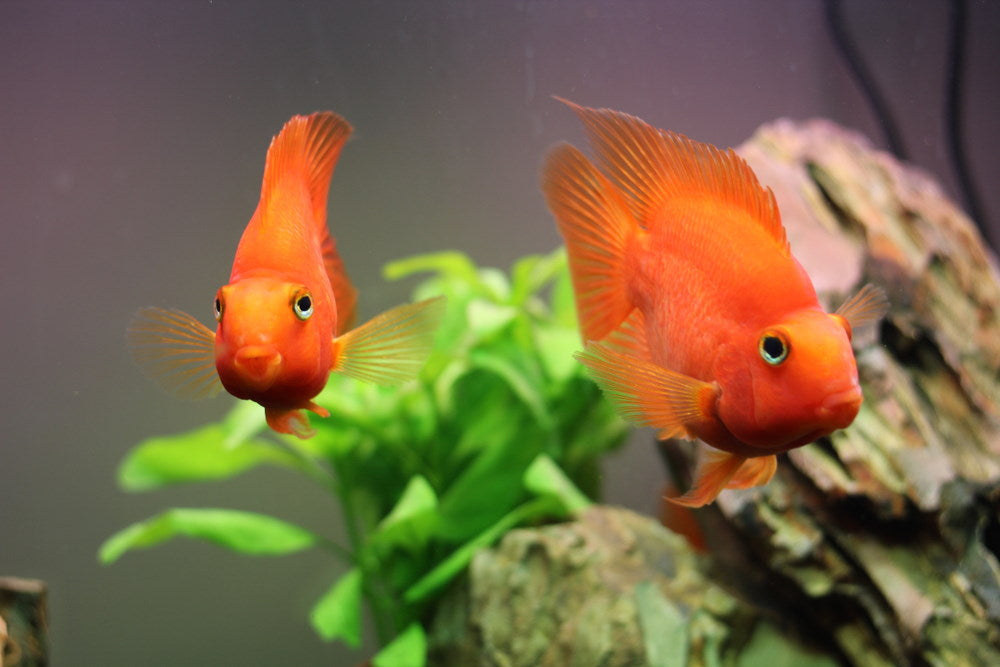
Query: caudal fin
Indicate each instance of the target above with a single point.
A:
(308, 148)
(596, 224)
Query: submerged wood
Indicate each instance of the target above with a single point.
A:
(23, 623)
(878, 545)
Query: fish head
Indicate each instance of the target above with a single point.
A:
(273, 344)
(803, 382)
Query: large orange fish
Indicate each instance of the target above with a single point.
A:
(697, 319)
(284, 318)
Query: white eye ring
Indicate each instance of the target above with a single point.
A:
(773, 347)
(303, 306)
(218, 308)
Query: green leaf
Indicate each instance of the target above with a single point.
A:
(555, 346)
(246, 532)
(450, 264)
(417, 497)
(411, 522)
(531, 273)
(408, 649)
(459, 559)
(490, 486)
(486, 318)
(243, 422)
(494, 284)
(337, 615)
(199, 455)
(769, 648)
(524, 385)
(544, 477)
(563, 297)
(664, 628)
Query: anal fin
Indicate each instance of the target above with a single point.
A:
(756, 471)
(714, 473)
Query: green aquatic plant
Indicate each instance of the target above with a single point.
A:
(501, 429)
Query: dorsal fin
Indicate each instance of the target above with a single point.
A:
(308, 148)
(655, 167)
(595, 222)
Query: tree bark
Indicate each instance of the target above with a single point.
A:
(876, 546)
(23, 623)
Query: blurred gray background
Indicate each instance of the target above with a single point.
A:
(132, 140)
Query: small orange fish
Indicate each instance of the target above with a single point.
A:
(284, 318)
(697, 319)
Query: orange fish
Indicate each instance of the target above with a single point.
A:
(284, 318)
(697, 320)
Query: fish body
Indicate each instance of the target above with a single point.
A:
(696, 317)
(284, 317)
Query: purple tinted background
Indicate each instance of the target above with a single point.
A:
(132, 138)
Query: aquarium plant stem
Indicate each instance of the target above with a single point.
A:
(383, 629)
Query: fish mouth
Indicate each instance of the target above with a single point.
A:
(841, 406)
(258, 365)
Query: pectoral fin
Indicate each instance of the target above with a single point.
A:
(864, 308)
(648, 394)
(175, 350)
(392, 347)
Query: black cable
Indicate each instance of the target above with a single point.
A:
(856, 63)
(953, 111)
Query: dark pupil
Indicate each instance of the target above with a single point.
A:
(305, 303)
(218, 305)
(773, 347)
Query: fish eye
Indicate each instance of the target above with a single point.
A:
(303, 306)
(773, 347)
(218, 308)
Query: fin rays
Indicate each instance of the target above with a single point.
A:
(647, 394)
(307, 146)
(656, 167)
(714, 472)
(391, 347)
(175, 350)
(596, 224)
(864, 308)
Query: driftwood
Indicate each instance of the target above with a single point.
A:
(23, 623)
(876, 546)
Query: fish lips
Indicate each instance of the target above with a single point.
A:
(840, 407)
(258, 366)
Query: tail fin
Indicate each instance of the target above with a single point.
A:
(308, 148)
(596, 223)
